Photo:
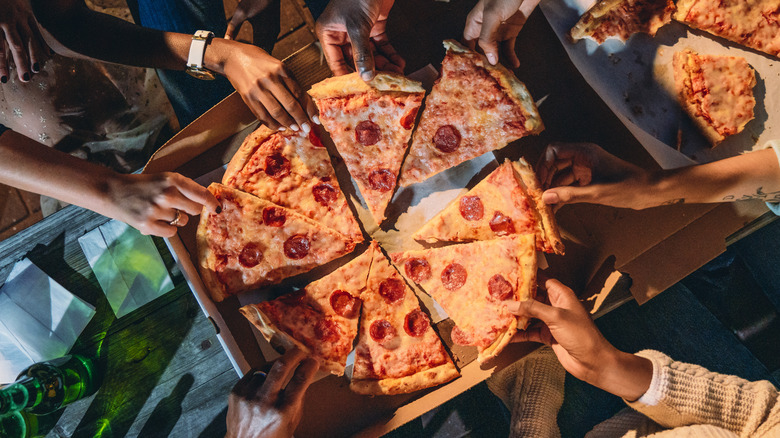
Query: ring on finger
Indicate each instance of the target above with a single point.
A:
(176, 222)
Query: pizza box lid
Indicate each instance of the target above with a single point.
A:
(607, 248)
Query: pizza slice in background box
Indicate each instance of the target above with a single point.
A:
(622, 18)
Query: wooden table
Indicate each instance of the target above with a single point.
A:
(164, 371)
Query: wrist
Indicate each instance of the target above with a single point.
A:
(218, 52)
(625, 375)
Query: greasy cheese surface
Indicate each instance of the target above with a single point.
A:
(471, 306)
(403, 355)
(753, 23)
(239, 233)
(393, 115)
(505, 209)
(310, 187)
(622, 18)
(473, 100)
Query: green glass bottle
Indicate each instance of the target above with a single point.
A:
(47, 386)
(23, 424)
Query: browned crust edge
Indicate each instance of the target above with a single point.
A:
(551, 234)
(402, 385)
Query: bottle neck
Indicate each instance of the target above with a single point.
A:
(25, 392)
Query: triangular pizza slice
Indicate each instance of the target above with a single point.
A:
(398, 351)
(473, 282)
(322, 318)
(370, 124)
(474, 108)
(292, 169)
(508, 201)
(622, 18)
(252, 242)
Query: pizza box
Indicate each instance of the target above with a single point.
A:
(606, 248)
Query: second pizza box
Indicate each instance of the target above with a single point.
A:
(654, 248)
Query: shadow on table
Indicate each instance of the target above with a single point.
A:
(168, 410)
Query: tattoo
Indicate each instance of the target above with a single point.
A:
(760, 195)
(674, 201)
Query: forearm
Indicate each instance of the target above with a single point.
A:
(755, 175)
(622, 374)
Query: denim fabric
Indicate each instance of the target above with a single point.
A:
(760, 252)
(3, 129)
(316, 7)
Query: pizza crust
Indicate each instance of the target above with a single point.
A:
(551, 235)
(349, 84)
(401, 385)
(206, 258)
(498, 345)
(244, 153)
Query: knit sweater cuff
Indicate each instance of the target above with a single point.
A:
(660, 380)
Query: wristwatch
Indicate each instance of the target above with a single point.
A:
(195, 67)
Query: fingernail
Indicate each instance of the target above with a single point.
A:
(306, 127)
(491, 58)
(36, 67)
(281, 128)
(26, 77)
(4, 79)
(218, 210)
(550, 198)
(367, 76)
(294, 127)
(316, 119)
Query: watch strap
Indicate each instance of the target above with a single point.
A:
(200, 40)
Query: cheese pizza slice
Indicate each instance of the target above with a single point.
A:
(473, 282)
(622, 18)
(322, 318)
(370, 124)
(474, 108)
(292, 169)
(398, 351)
(252, 242)
(716, 92)
(752, 23)
(508, 201)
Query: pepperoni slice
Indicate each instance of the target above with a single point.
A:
(367, 133)
(459, 337)
(418, 270)
(407, 120)
(344, 304)
(382, 331)
(499, 288)
(454, 276)
(471, 208)
(314, 139)
(381, 180)
(277, 166)
(324, 193)
(274, 216)
(251, 255)
(447, 139)
(502, 225)
(327, 330)
(392, 290)
(416, 323)
(296, 247)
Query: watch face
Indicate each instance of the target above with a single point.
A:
(202, 73)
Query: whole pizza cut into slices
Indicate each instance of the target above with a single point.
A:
(253, 242)
(752, 23)
(473, 282)
(322, 318)
(474, 108)
(506, 202)
(292, 169)
(370, 124)
(622, 18)
(398, 351)
(716, 92)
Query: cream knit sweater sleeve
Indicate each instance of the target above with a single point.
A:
(683, 394)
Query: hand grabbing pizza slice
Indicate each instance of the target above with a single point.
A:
(473, 283)
(252, 242)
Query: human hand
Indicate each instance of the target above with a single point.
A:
(245, 10)
(21, 40)
(579, 345)
(497, 23)
(262, 406)
(351, 31)
(602, 177)
(157, 204)
(268, 89)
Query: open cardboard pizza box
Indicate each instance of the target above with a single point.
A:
(655, 248)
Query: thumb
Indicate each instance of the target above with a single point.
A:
(488, 37)
(361, 51)
(533, 309)
(568, 195)
(233, 26)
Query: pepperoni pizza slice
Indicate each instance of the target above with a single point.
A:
(370, 123)
(292, 169)
(716, 92)
(398, 351)
(473, 292)
(322, 318)
(474, 108)
(622, 18)
(508, 201)
(252, 242)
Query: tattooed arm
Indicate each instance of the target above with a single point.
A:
(574, 173)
